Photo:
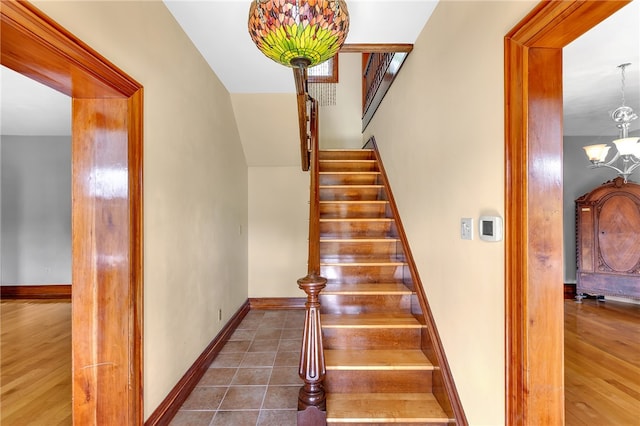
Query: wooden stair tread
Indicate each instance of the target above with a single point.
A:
(369, 150)
(384, 408)
(353, 236)
(356, 202)
(358, 185)
(355, 172)
(357, 219)
(355, 160)
(367, 260)
(367, 288)
(390, 360)
(362, 263)
(372, 320)
(359, 240)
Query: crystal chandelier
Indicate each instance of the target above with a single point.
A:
(299, 33)
(627, 159)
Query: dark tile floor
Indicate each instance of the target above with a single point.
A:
(254, 379)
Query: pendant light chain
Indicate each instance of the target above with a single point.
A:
(622, 78)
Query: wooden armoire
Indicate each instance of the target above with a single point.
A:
(608, 240)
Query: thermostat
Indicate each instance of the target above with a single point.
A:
(490, 228)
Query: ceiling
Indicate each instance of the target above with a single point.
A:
(592, 83)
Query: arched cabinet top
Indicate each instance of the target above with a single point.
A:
(611, 188)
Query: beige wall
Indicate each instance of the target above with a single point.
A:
(441, 135)
(195, 182)
(278, 230)
(341, 124)
(268, 128)
(278, 193)
(278, 189)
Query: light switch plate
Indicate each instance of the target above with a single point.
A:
(466, 228)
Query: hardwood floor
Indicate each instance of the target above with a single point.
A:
(35, 363)
(602, 363)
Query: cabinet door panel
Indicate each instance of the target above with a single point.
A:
(619, 227)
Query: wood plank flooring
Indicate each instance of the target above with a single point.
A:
(602, 363)
(35, 363)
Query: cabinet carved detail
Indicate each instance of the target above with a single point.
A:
(608, 240)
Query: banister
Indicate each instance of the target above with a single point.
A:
(300, 78)
(311, 398)
(314, 196)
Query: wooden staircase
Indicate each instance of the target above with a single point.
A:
(378, 349)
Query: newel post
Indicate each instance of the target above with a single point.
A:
(311, 399)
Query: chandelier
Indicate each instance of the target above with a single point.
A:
(299, 33)
(627, 159)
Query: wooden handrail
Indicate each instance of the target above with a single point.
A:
(300, 78)
(314, 196)
(312, 398)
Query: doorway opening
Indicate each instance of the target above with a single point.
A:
(533, 195)
(106, 210)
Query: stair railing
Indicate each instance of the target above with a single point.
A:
(311, 398)
(379, 72)
(304, 116)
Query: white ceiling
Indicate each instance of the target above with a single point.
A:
(386, 22)
(591, 82)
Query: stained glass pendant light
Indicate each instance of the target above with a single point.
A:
(299, 33)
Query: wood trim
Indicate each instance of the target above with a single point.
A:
(135, 293)
(49, 291)
(333, 78)
(277, 303)
(449, 393)
(569, 291)
(376, 48)
(178, 395)
(533, 205)
(106, 215)
(41, 49)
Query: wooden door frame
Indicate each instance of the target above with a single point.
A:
(533, 210)
(106, 210)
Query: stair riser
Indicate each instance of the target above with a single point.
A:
(348, 193)
(371, 338)
(347, 228)
(350, 210)
(364, 304)
(348, 166)
(377, 248)
(359, 154)
(366, 178)
(377, 381)
(362, 274)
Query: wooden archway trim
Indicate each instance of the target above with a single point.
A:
(533, 210)
(106, 210)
